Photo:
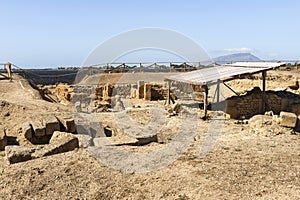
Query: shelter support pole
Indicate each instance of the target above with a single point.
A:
(264, 74)
(218, 90)
(231, 89)
(205, 102)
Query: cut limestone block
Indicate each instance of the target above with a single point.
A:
(140, 89)
(260, 120)
(27, 130)
(84, 140)
(295, 109)
(15, 154)
(51, 123)
(147, 92)
(3, 140)
(68, 124)
(146, 139)
(60, 142)
(288, 119)
(38, 129)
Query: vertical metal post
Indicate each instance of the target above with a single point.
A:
(218, 90)
(264, 74)
(205, 101)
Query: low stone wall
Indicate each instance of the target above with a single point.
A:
(250, 104)
(40, 132)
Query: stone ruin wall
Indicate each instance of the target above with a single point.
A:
(250, 104)
(104, 95)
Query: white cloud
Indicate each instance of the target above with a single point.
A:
(238, 50)
(232, 50)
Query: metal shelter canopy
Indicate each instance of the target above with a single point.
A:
(207, 75)
(222, 72)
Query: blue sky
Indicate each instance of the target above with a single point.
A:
(40, 33)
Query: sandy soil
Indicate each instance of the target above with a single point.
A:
(243, 164)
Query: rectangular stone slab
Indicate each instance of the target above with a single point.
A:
(68, 124)
(3, 140)
(27, 130)
(51, 123)
(38, 129)
(288, 119)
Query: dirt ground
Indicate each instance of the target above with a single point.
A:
(243, 163)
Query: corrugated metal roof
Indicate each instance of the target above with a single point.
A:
(222, 72)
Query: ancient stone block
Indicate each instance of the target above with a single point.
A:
(51, 123)
(107, 91)
(3, 140)
(38, 129)
(233, 112)
(27, 130)
(119, 106)
(15, 154)
(147, 92)
(140, 89)
(260, 120)
(60, 142)
(288, 119)
(133, 93)
(84, 141)
(295, 109)
(284, 104)
(67, 124)
(231, 102)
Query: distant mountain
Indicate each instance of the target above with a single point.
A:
(246, 57)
